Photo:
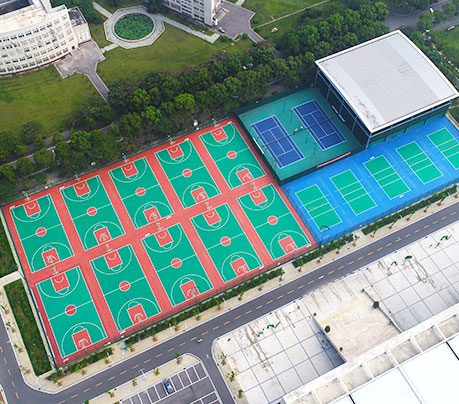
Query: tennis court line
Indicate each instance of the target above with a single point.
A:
(392, 172)
(417, 151)
(325, 203)
(445, 133)
(360, 187)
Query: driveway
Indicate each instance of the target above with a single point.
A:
(235, 20)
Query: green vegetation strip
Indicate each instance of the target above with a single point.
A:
(7, 263)
(134, 26)
(27, 326)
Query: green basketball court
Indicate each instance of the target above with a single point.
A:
(71, 311)
(318, 207)
(232, 155)
(226, 242)
(92, 212)
(125, 288)
(448, 146)
(177, 265)
(386, 176)
(187, 173)
(140, 192)
(273, 221)
(41, 233)
(353, 192)
(419, 162)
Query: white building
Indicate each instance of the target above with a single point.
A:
(200, 10)
(33, 34)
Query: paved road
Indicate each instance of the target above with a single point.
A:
(19, 393)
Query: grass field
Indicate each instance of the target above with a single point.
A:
(448, 42)
(41, 96)
(171, 52)
(266, 9)
(27, 326)
(98, 34)
(7, 264)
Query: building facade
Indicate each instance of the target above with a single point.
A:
(200, 10)
(33, 34)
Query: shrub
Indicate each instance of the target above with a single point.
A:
(134, 26)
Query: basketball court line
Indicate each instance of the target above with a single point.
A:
(380, 165)
(324, 207)
(353, 185)
(414, 155)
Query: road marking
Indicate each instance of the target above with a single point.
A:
(435, 222)
(98, 384)
(12, 382)
(123, 372)
(135, 367)
(370, 253)
(290, 291)
(159, 355)
(192, 339)
(360, 258)
(331, 272)
(311, 282)
(75, 395)
(259, 307)
(341, 267)
(183, 343)
(350, 262)
(170, 349)
(148, 360)
(216, 328)
(17, 396)
(85, 391)
(426, 226)
(452, 213)
(379, 249)
(388, 244)
(301, 287)
(1, 349)
(9, 372)
(248, 312)
(111, 378)
(63, 401)
(320, 277)
(237, 317)
(226, 322)
(443, 218)
(5, 361)
(407, 235)
(205, 332)
(417, 231)
(280, 297)
(269, 302)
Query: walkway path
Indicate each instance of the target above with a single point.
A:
(101, 10)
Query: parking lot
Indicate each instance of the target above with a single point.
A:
(191, 386)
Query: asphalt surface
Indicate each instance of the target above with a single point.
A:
(185, 342)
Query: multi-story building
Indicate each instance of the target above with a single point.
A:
(33, 34)
(200, 10)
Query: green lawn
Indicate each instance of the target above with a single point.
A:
(171, 52)
(448, 43)
(7, 263)
(122, 4)
(27, 326)
(267, 9)
(41, 96)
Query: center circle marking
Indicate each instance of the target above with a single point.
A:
(232, 154)
(70, 310)
(176, 263)
(41, 231)
(187, 172)
(91, 211)
(125, 286)
(140, 191)
(225, 241)
(272, 220)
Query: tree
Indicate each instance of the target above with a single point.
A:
(80, 141)
(20, 150)
(140, 100)
(8, 183)
(62, 151)
(438, 16)
(8, 144)
(24, 167)
(154, 6)
(381, 11)
(43, 158)
(185, 102)
(131, 126)
(29, 131)
(151, 117)
(450, 9)
(121, 92)
(104, 147)
(425, 22)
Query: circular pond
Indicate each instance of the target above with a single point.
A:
(133, 27)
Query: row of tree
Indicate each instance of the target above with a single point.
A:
(337, 32)
(427, 20)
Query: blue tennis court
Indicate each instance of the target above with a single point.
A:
(319, 124)
(277, 141)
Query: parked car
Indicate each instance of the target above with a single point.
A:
(168, 386)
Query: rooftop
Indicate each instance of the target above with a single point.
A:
(76, 17)
(387, 79)
(13, 5)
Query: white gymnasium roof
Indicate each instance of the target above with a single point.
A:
(387, 79)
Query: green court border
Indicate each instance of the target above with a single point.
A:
(438, 148)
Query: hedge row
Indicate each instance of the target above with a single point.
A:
(74, 367)
(392, 218)
(215, 301)
(28, 327)
(7, 263)
(319, 252)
